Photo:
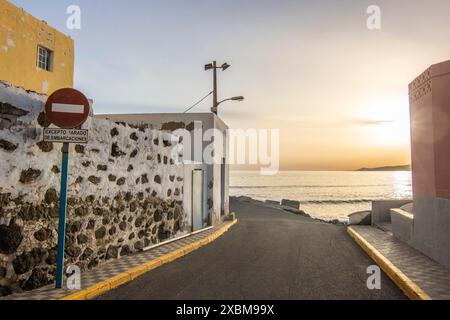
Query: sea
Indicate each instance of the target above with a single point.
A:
(326, 195)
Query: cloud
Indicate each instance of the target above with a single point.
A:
(370, 122)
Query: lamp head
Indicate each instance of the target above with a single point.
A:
(225, 66)
(208, 66)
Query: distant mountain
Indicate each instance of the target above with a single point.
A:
(392, 168)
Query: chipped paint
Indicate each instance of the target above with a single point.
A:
(20, 36)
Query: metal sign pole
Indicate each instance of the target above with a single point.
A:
(62, 217)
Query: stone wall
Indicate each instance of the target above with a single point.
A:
(125, 193)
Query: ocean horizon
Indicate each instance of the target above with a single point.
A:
(325, 195)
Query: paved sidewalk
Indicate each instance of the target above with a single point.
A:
(116, 267)
(424, 276)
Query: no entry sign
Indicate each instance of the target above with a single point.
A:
(67, 108)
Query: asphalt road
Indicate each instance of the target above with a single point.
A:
(268, 255)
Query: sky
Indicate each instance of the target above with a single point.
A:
(337, 91)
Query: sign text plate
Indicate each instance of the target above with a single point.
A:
(66, 135)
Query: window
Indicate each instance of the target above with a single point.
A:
(44, 58)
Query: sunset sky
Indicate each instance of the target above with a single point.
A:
(336, 90)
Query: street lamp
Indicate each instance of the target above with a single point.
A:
(214, 67)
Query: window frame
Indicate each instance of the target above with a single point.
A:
(44, 59)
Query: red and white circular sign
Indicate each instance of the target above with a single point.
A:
(67, 108)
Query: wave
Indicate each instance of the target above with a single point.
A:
(317, 186)
(346, 201)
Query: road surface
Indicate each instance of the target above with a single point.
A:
(269, 254)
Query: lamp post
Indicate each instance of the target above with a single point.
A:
(214, 68)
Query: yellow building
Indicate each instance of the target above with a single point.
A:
(33, 55)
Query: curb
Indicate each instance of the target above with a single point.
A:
(409, 287)
(127, 276)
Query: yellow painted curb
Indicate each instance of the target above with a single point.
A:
(409, 287)
(127, 276)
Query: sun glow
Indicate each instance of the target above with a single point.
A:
(388, 117)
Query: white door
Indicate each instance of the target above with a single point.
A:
(197, 200)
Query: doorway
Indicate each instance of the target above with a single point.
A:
(197, 200)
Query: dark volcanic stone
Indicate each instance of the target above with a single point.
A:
(94, 180)
(51, 259)
(29, 176)
(82, 239)
(8, 146)
(99, 211)
(81, 211)
(100, 233)
(37, 279)
(134, 136)
(45, 146)
(86, 164)
(43, 120)
(141, 234)
(125, 251)
(134, 153)
(43, 234)
(112, 253)
(10, 238)
(144, 179)
(51, 196)
(30, 213)
(177, 212)
(123, 226)
(128, 196)
(116, 152)
(114, 132)
(75, 227)
(91, 225)
(56, 170)
(26, 261)
(79, 148)
(139, 245)
(162, 233)
(5, 198)
(112, 178)
(130, 168)
(157, 179)
(54, 211)
(88, 252)
(139, 221)
(113, 230)
(158, 216)
(121, 181)
(101, 167)
(73, 251)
